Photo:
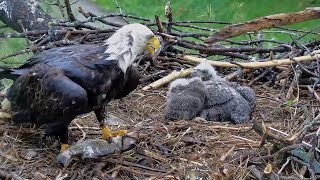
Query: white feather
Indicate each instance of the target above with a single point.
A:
(211, 70)
(127, 43)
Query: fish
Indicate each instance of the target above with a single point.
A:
(94, 148)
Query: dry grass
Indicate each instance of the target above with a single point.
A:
(166, 150)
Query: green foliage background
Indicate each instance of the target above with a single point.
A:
(234, 11)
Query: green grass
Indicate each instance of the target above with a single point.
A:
(225, 10)
(234, 11)
(9, 46)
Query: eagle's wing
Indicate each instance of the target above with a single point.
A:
(87, 65)
(84, 53)
(131, 82)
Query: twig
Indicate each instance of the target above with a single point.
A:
(284, 165)
(24, 32)
(159, 24)
(315, 94)
(127, 163)
(251, 65)
(183, 73)
(120, 10)
(82, 131)
(311, 170)
(263, 74)
(41, 48)
(17, 130)
(168, 13)
(174, 75)
(304, 68)
(215, 50)
(254, 170)
(69, 11)
(224, 156)
(90, 14)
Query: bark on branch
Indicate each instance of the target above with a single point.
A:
(23, 14)
(248, 65)
(253, 65)
(271, 21)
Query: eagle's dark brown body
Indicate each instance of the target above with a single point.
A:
(55, 86)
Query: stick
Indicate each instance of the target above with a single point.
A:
(271, 21)
(174, 75)
(90, 14)
(252, 65)
(69, 11)
(159, 24)
(24, 131)
(315, 94)
(168, 13)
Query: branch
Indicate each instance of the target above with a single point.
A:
(218, 49)
(168, 13)
(69, 11)
(25, 11)
(88, 14)
(271, 21)
(174, 75)
(252, 65)
(41, 48)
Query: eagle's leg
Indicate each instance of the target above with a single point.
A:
(107, 133)
(60, 131)
(63, 137)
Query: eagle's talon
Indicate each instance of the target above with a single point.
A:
(107, 134)
(122, 132)
(64, 147)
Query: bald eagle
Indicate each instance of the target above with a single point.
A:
(55, 86)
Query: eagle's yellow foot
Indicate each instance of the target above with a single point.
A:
(64, 147)
(121, 133)
(107, 134)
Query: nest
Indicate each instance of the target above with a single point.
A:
(166, 149)
(280, 142)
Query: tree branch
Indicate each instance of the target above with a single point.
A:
(272, 21)
(25, 11)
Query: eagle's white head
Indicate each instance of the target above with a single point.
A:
(130, 41)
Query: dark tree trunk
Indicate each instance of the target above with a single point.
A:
(26, 13)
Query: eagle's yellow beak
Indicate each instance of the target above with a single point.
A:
(153, 45)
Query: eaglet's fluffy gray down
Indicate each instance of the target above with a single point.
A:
(209, 96)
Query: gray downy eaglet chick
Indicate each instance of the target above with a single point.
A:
(185, 99)
(226, 101)
(205, 71)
